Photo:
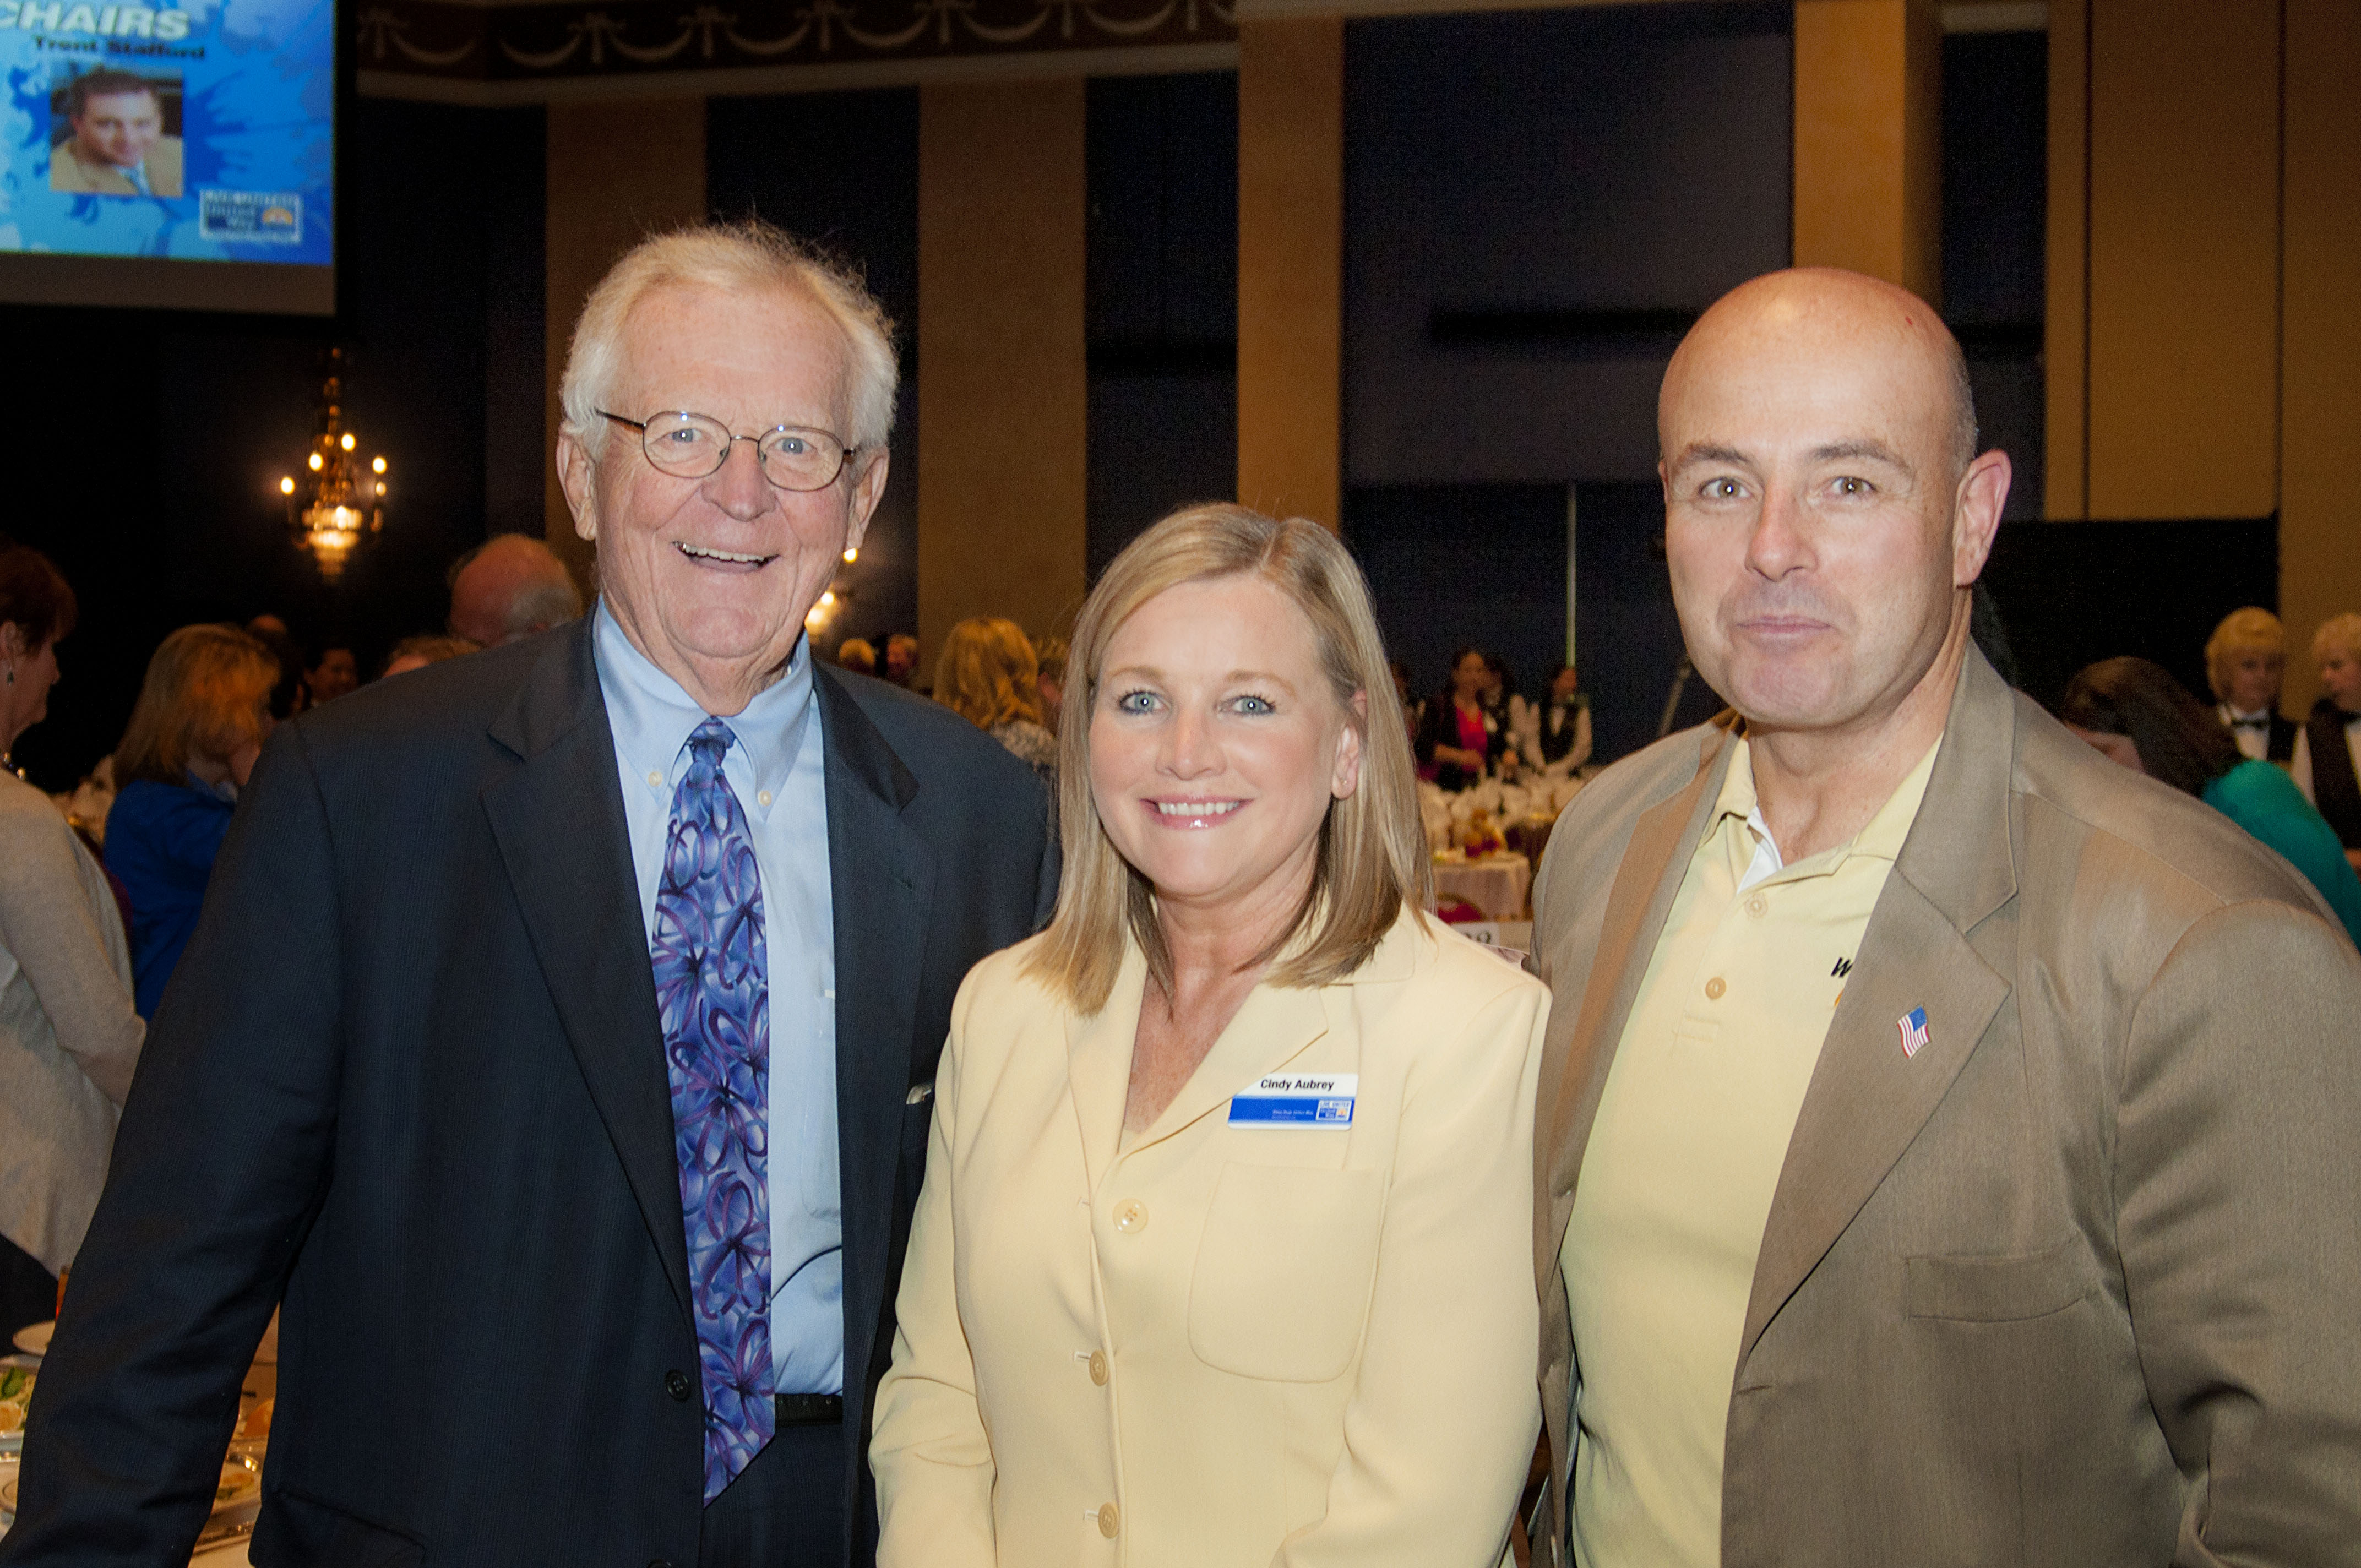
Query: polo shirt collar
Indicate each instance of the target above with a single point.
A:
(1881, 838)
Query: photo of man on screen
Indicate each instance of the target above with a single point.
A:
(116, 143)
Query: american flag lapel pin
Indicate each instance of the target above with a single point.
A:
(1913, 1025)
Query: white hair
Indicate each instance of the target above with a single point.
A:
(746, 257)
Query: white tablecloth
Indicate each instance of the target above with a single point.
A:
(1496, 884)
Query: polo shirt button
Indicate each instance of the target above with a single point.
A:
(1109, 1521)
(1714, 987)
(677, 1383)
(1758, 906)
(1099, 1368)
(1130, 1217)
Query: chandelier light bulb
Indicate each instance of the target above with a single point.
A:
(348, 443)
(287, 487)
(377, 464)
(315, 461)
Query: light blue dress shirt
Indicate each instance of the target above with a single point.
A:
(775, 768)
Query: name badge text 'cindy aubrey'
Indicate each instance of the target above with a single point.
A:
(1296, 1100)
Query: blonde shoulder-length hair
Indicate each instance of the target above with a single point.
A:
(203, 696)
(1373, 856)
(988, 674)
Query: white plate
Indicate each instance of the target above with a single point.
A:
(33, 1339)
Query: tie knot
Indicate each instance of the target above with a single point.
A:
(706, 743)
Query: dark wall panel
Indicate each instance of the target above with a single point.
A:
(1517, 182)
(1996, 210)
(1162, 306)
(842, 169)
(1458, 563)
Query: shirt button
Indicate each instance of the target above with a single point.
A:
(1714, 988)
(763, 798)
(1758, 906)
(1109, 1521)
(1099, 1368)
(1130, 1215)
(677, 1383)
(655, 780)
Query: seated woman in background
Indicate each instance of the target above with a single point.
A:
(2327, 761)
(856, 653)
(1225, 1251)
(987, 675)
(203, 713)
(1459, 736)
(69, 1038)
(2136, 714)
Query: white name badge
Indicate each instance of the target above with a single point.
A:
(1296, 1100)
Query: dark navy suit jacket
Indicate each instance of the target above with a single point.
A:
(410, 1077)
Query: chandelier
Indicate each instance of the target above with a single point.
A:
(343, 500)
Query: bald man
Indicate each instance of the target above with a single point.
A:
(508, 588)
(1950, 1142)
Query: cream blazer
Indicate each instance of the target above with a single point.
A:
(1207, 1346)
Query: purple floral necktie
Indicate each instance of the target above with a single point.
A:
(713, 995)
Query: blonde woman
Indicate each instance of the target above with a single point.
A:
(987, 675)
(2245, 661)
(203, 715)
(1223, 1256)
(2327, 760)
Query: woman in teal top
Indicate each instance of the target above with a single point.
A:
(2135, 712)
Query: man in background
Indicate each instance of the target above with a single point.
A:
(511, 587)
(1949, 1140)
(117, 146)
(902, 662)
(335, 674)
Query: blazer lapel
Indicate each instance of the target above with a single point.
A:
(1098, 1065)
(882, 879)
(1275, 1026)
(558, 821)
(1868, 1098)
(1663, 840)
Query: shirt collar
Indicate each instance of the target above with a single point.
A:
(1880, 838)
(653, 717)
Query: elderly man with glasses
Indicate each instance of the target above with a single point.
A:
(559, 1038)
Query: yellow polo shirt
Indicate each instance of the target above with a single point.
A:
(1677, 1178)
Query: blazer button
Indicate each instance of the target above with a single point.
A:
(660, 1563)
(1109, 1521)
(1130, 1216)
(1099, 1368)
(678, 1385)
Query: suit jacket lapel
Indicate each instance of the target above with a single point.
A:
(1662, 842)
(558, 821)
(882, 879)
(1866, 1098)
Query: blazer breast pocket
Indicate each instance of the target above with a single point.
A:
(1283, 1271)
(1998, 1289)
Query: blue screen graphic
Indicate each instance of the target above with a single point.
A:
(198, 131)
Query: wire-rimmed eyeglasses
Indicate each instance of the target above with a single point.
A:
(692, 445)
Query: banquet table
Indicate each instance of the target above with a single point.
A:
(1496, 884)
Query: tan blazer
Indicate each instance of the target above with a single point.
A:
(2080, 1283)
(1207, 1346)
(68, 171)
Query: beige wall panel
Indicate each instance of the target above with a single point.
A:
(2184, 258)
(2066, 314)
(1003, 382)
(2320, 506)
(618, 171)
(1868, 188)
(1292, 266)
